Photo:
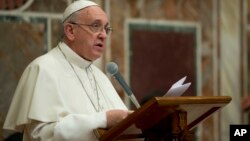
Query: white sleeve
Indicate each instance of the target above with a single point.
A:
(73, 127)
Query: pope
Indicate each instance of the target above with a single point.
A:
(62, 95)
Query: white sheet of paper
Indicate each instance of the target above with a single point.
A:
(178, 88)
(179, 83)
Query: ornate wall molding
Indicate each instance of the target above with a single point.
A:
(15, 5)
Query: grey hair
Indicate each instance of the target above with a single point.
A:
(72, 18)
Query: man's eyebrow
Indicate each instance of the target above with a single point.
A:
(100, 21)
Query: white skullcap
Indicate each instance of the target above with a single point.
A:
(75, 6)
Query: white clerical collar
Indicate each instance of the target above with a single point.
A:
(73, 57)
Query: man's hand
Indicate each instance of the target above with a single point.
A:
(115, 116)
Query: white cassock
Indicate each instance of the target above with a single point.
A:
(55, 102)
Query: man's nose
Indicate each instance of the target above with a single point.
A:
(103, 34)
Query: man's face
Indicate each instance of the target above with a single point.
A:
(90, 35)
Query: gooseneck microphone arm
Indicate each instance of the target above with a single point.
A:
(112, 69)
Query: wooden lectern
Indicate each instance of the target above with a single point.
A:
(170, 118)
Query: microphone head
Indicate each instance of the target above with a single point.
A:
(112, 68)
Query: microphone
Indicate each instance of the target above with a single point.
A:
(112, 69)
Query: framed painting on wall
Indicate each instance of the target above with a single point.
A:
(159, 53)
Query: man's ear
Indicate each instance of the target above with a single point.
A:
(69, 31)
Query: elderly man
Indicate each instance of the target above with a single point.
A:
(61, 95)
